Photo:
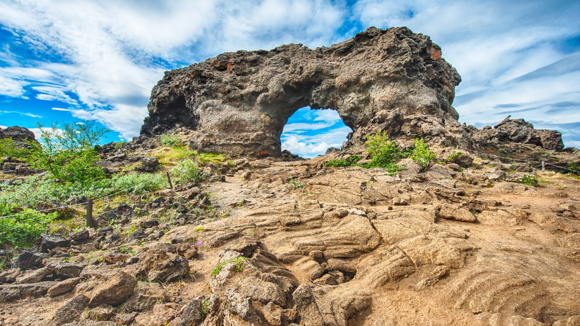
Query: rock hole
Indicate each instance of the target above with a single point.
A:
(310, 132)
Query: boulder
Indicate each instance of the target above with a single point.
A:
(21, 291)
(63, 287)
(70, 310)
(114, 291)
(29, 259)
(452, 212)
(159, 263)
(51, 241)
(307, 307)
(36, 276)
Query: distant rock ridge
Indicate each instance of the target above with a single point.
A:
(393, 80)
(19, 135)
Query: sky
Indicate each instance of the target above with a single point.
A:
(68, 60)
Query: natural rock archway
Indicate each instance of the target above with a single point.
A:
(392, 80)
(239, 102)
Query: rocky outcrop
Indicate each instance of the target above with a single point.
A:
(392, 80)
(19, 135)
(514, 132)
(239, 102)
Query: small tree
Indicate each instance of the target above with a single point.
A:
(422, 154)
(69, 153)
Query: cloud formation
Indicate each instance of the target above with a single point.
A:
(100, 59)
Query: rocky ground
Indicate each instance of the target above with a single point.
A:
(278, 241)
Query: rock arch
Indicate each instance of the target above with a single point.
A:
(239, 102)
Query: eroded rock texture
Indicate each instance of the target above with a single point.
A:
(238, 103)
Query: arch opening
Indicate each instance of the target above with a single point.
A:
(310, 132)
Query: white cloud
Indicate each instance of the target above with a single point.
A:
(315, 143)
(306, 126)
(12, 87)
(52, 93)
(492, 43)
(109, 48)
(113, 52)
(26, 114)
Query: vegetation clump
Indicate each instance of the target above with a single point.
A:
(239, 265)
(21, 227)
(343, 163)
(8, 148)
(422, 154)
(170, 140)
(529, 179)
(187, 170)
(385, 153)
(295, 183)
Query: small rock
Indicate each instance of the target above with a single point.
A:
(29, 259)
(306, 306)
(114, 291)
(70, 311)
(192, 313)
(80, 236)
(149, 223)
(51, 241)
(35, 276)
(161, 264)
(124, 319)
(67, 270)
(101, 313)
(63, 287)
(10, 275)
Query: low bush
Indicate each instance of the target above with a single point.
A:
(170, 140)
(22, 228)
(8, 148)
(295, 183)
(36, 189)
(342, 163)
(453, 156)
(529, 179)
(187, 171)
(422, 154)
(239, 265)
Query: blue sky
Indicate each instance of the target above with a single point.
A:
(89, 59)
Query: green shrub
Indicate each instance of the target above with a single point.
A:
(187, 171)
(119, 144)
(422, 154)
(453, 156)
(295, 183)
(529, 179)
(24, 228)
(342, 163)
(170, 140)
(8, 148)
(383, 152)
(36, 189)
(574, 167)
(68, 153)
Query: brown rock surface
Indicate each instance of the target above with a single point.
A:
(114, 291)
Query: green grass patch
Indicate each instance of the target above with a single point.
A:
(239, 265)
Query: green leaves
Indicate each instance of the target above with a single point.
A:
(68, 153)
(170, 140)
(187, 171)
(22, 229)
(422, 154)
(8, 148)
